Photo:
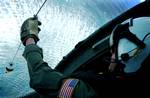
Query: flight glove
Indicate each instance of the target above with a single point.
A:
(30, 29)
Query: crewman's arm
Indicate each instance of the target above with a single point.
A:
(43, 79)
(46, 80)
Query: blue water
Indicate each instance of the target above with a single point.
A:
(64, 23)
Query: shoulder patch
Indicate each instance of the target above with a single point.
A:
(67, 88)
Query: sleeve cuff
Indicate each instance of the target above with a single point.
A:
(32, 48)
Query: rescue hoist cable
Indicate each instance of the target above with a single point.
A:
(10, 67)
(40, 8)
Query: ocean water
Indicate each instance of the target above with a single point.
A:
(64, 24)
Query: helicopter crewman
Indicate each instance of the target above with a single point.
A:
(51, 83)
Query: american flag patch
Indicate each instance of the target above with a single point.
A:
(67, 88)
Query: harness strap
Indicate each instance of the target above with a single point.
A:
(67, 88)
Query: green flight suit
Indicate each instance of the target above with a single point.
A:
(47, 81)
